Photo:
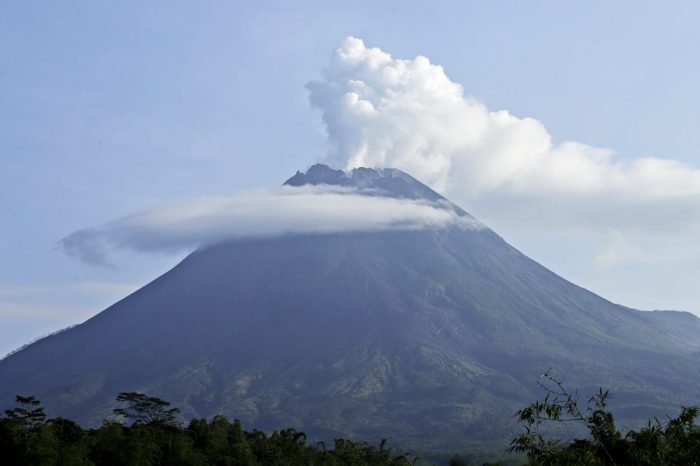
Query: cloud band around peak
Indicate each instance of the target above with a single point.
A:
(288, 210)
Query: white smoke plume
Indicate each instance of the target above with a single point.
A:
(380, 111)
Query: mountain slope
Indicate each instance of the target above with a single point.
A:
(431, 338)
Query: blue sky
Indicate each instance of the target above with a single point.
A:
(111, 108)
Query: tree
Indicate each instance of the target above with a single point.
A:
(28, 414)
(676, 442)
(143, 409)
(561, 405)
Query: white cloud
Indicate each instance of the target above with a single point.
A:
(385, 112)
(205, 221)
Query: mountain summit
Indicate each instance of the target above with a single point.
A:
(432, 338)
(389, 182)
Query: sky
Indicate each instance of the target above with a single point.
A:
(570, 129)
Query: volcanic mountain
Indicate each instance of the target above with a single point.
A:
(432, 337)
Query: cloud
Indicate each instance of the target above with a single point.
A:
(380, 111)
(385, 112)
(287, 210)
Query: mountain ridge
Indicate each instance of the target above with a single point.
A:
(432, 338)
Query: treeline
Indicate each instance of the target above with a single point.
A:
(147, 433)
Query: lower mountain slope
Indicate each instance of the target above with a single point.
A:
(430, 338)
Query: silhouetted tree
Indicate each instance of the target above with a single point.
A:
(677, 442)
(142, 409)
(28, 414)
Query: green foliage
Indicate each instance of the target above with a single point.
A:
(152, 437)
(26, 437)
(674, 442)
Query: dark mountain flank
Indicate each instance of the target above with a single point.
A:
(432, 338)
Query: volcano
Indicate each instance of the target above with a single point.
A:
(431, 338)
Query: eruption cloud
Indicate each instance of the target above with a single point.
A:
(380, 111)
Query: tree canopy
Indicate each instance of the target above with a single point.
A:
(142, 409)
(146, 433)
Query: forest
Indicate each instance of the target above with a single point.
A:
(145, 431)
